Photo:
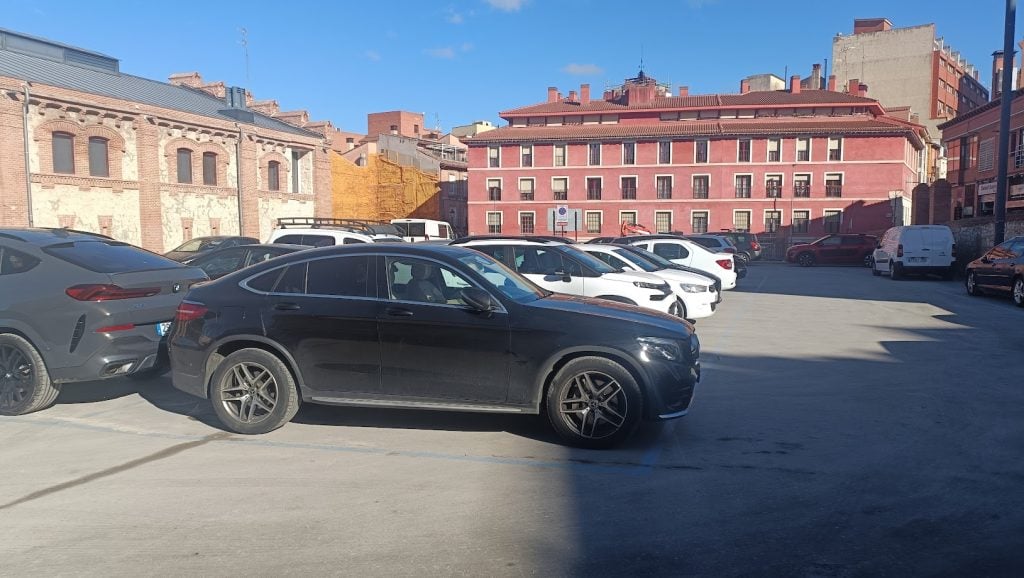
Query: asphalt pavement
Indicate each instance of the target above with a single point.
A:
(847, 425)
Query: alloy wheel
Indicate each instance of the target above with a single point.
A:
(16, 377)
(250, 392)
(1018, 291)
(971, 287)
(594, 405)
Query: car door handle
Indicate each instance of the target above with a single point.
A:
(287, 306)
(398, 312)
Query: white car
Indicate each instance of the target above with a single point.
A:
(316, 237)
(326, 232)
(563, 268)
(686, 252)
(696, 292)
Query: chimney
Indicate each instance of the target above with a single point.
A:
(190, 79)
(584, 94)
(997, 74)
(394, 129)
(235, 100)
(552, 94)
(862, 90)
(815, 77)
(831, 83)
(794, 84)
(853, 86)
(745, 86)
(684, 91)
(350, 143)
(572, 96)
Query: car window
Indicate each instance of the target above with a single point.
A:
(264, 254)
(853, 241)
(705, 242)
(612, 260)
(545, 261)
(222, 263)
(1018, 248)
(347, 276)
(345, 241)
(670, 251)
(638, 261)
(829, 242)
(109, 256)
(13, 262)
(318, 240)
(513, 286)
(293, 280)
(289, 240)
(266, 281)
(420, 280)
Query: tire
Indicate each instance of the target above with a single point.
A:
(743, 257)
(1018, 291)
(895, 271)
(805, 259)
(678, 309)
(242, 403)
(586, 420)
(971, 283)
(874, 269)
(25, 384)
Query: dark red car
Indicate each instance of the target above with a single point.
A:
(834, 249)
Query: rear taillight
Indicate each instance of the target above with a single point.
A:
(725, 263)
(755, 246)
(113, 328)
(188, 311)
(899, 250)
(108, 292)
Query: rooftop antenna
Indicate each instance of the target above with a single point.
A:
(245, 48)
(437, 123)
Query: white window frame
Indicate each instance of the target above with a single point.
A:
(586, 222)
(764, 218)
(671, 220)
(693, 178)
(553, 179)
(792, 220)
(707, 215)
(749, 140)
(825, 176)
(600, 154)
(768, 150)
(751, 175)
(669, 143)
(501, 187)
(489, 149)
(554, 148)
(637, 177)
(533, 187)
(671, 187)
(828, 149)
(622, 156)
(782, 183)
(487, 221)
(520, 221)
(824, 211)
(634, 212)
(796, 149)
(586, 187)
(522, 151)
(810, 183)
(750, 218)
(706, 141)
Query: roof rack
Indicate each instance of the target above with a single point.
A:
(532, 239)
(353, 225)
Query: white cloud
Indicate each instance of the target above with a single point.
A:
(583, 69)
(454, 17)
(507, 5)
(446, 52)
(466, 46)
(373, 55)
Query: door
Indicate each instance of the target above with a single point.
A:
(851, 249)
(997, 266)
(434, 346)
(324, 312)
(938, 246)
(830, 250)
(548, 267)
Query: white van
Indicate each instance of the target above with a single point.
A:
(915, 249)
(414, 230)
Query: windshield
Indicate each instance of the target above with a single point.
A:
(587, 259)
(653, 258)
(109, 256)
(196, 245)
(821, 239)
(506, 281)
(637, 260)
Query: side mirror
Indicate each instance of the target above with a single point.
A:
(478, 299)
(565, 276)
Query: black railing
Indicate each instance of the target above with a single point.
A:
(742, 191)
(833, 190)
(801, 190)
(773, 191)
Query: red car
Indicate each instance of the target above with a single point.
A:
(834, 249)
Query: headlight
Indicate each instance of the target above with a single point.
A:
(659, 348)
(646, 285)
(688, 288)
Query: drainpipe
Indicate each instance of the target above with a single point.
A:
(28, 167)
(238, 178)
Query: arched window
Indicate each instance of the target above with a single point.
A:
(64, 153)
(99, 165)
(209, 168)
(274, 176)
(184, 166)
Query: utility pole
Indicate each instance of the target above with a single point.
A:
(1004, 122)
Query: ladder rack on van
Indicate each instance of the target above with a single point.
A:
(353, 225)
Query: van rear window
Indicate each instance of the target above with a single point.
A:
(109, 256)
(412, 229)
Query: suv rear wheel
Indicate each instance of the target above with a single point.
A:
(594, 402)
(805, 259)
(253, 392)
(25, 384)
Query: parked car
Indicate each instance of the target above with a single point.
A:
(426, 327)
(665, 263)
(565, 269)
(80, 307)
(416, 230)
(717, 244)
(842, 249)
(1000, 270)
(202, 245)
(217, 264)
(696, 293)
(915, 249)
(601, 240)
(684, 252)
(746, 243)
(325, 232)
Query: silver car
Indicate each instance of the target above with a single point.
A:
(78, 307)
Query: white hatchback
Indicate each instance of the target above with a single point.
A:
(685, 252)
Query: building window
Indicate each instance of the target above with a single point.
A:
(415, 129)
(560, 188)
(699, 222)
(835, 148)
(833, 219)
(274, 176)
(594, 158)
(296, 157)
(593, 221)
(801, 219)
(986, 154)
(526, 221)
(741, 221)
(802, 185)
(525, 189)
(209, 168)
(774, 150)
(803, 150)
(627, 217)
(629, 153)
(99, 165)
(662, 221)
(665, 152)
(63, 153)
(593, 189)
(526, 155)
(628, 187)
(701, 186)
(701, 151)
(773, 186)
(772, 221)
(493, 189)
(184, 166)
(663, 185)
(743, 151)
(743, 186)
(494, 222)
(493, 157)
(833, 185)
(560, 155)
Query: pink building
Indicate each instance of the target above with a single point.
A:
(796, 163)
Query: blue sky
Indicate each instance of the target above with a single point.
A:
(459, 61)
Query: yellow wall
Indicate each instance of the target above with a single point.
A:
(382, 190)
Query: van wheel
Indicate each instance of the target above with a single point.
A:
(253, 392)
(25, 384)
(875, 271)
(972, 284)
(1018, 291)
(594, 402)
(805, 259)
(895, 271)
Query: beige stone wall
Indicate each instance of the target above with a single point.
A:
(270, 210)
(200, 208)
(88, 210)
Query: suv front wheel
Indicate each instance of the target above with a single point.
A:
(594, 402)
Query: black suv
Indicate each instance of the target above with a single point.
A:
(426, 327)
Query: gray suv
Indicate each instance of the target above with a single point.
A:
(79, 307)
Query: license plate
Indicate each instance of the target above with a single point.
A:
(163, 328)
(918, 259)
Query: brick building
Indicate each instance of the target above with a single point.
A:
(796, 163)
(147, 162)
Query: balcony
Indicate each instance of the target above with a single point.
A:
(561, 195)
(802, 190)
(1018, 157)
(700, 193)
(833, 190)
(773, 191)
(742, 191)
